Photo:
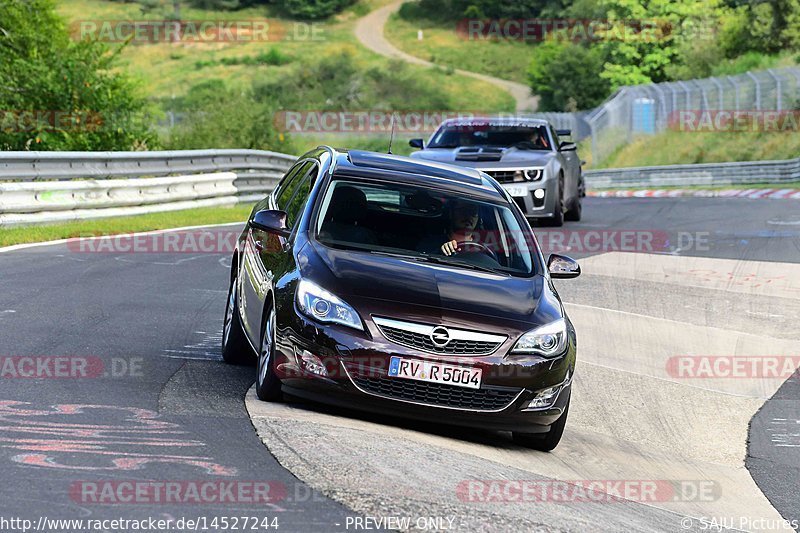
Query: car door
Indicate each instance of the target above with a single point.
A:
(255, 277)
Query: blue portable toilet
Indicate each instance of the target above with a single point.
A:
(644, 116)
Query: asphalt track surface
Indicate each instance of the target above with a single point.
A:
(165, 408)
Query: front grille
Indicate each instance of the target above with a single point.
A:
(503, 176)
(424, 342)
(487, 398)
(507, 176)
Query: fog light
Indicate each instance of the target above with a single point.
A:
(312, 363)
(538, 193)
(545, 398)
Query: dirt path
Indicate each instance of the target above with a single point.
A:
(370, 29)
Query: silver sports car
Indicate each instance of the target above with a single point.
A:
(540, 171)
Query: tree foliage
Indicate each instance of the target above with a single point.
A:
(565, 76)
(57, 94)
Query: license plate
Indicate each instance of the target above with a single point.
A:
(435, 372)
(516, 190)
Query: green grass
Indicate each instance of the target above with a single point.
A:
(170, 69)
(121, 225)
(441, 44)
(676, 148)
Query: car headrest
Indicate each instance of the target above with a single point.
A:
(348, 205)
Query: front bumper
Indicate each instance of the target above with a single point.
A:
(531, 206)
(356, 376)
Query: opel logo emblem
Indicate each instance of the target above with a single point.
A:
(440, 336)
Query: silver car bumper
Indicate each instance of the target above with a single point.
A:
(525, 196)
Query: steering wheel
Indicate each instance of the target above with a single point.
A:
(481, 248)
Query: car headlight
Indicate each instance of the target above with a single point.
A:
(319, 304)
(534, 174)
(548, 340)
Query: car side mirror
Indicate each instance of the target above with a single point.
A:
(563, 267)
(416, 143)
(271, 221)
(567, 147)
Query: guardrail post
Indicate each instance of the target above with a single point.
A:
(758, 90)
(778, 95)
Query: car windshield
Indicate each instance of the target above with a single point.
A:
(417, 223)
(483, 134)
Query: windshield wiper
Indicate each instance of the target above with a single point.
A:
(449, 262)
(439, 261)
(394, 254)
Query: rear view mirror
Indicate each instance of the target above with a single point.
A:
(416, 143)
(563, 267)
(271, 221)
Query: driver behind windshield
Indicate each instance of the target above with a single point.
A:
(539, 139)
(463, 220)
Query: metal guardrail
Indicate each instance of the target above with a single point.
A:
(37, 187)
(706, 174)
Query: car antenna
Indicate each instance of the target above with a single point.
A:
(391, 137)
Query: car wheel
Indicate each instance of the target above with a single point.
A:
(268, 386)
(235, 348)
(557, 220)
(544, 442)
(574, 213)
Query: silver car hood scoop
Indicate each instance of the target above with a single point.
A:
(479, 154)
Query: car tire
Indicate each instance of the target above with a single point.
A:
(268, 386)
(574, 213)
(557, 219)
(544, 442)
(235, 348)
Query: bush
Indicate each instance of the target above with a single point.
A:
(565, 76)
(215, 116)
(455, 9)
(313, 9)
(76, 98)
(335, 82)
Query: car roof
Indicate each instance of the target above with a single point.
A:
(374, 165)
(495, 121)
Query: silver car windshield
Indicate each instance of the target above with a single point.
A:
(519, 136)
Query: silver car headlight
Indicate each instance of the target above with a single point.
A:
(323, 306)
(534, 174)
(548, 340)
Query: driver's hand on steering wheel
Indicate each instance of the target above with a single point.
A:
(450, 247)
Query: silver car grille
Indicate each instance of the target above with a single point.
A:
(507, 176)
(438, 339)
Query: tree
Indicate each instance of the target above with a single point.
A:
(313, 9)
(57, 94)
(566, 76)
